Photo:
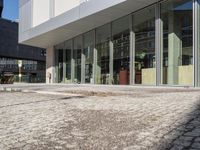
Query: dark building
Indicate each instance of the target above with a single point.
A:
(11, 53)
(1, 7)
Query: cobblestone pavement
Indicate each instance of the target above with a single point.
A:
(95, 117)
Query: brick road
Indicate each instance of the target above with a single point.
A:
(93, 117)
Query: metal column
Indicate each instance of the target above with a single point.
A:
(82, 62)
(132, 51)
(72, 62)
(56, 66)
(158, 47)
(94, 70)
(64, 65)
(196, 42)
(111, 56)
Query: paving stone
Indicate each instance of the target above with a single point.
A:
(196, 145)
(192, 134)
(177, 148)
(179, 142)
(197, 139)
(186, 138)
(104, 117)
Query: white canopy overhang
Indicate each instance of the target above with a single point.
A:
(83, 18)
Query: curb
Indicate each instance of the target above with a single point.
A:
(50, 93)
(4, 89)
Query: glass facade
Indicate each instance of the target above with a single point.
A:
(153, 46)
(88, 53)
(77, 50)
(59, 63)
(144, 29)
(121, 51)
(67, 56)
(32, 71)
(103, 56)
(177, 52)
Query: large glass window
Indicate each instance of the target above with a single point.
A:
(88, 44)
(68, 52)
(121, 42)
(77, 58)
(102, 46)
(144, 28)
(177, 52)
(59, 63)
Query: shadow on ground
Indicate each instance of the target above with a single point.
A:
(185, 136)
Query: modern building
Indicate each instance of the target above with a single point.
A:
(122, 42)
(11, 53)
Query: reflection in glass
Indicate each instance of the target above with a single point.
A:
(102, 46)
(144, 28)
(59, 51)
(177, 58)
(121, 41)
(68, 49)
(88, 47)
(77, 59)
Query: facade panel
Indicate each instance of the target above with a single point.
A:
(41, 11)
(62, 6)
(25, 16)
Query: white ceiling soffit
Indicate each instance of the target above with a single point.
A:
(47, 35)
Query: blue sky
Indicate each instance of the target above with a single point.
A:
(10, 9)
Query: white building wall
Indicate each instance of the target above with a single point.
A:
(62, 6)
(25, 14)
(41, 11)
(45, 23)
(36, 12)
